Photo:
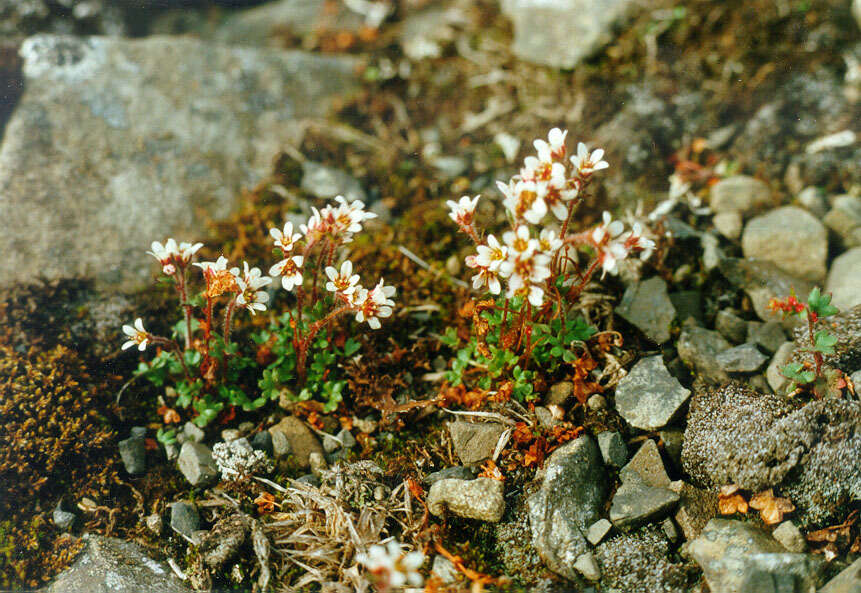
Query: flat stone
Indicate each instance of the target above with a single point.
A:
(155, 523)
(193, 432)
(790, 537)
(444, 569)
(791, 238)
(184, 519)
(741, 359)
(291, 436)
(647, 306)
(739, 193)
(696, 509)
(731, 326)
(773, 374)
(133, 454)
(613, 448)
(588, 567)
(158, 137)
(688, 303)
(196, 464)
(598, 531)
(844, 279)
(327, 182)
(649, 396)
(474, 442)
(698, 348)
(647, 466)
(564, 32)
(669, 528)
(673, 439)
(845, 220)
(769, 335)
(458, 472)
(729, 224)
(640, 562)
(559, 393)
(636, 503)
(814, 200)
(849, 580)
(481, 498)
(109, 564)
(63, 519)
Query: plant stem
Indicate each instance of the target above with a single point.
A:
(183, 297)
(228, 318)
(302, 351)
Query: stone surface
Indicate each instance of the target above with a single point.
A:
(587, 566)
(262, 441)
(763, 281)
(327, 182)
(296, 439)
(647, 306)
(731, 326)
(481, 498)
(563, 33)
(849, 580)
(844, 279)
(193, 432)
(698, 348)
(614, 451)
(474, 442)
(790, 537)
(737, 557)
(184, 519)
(598, 530)
(775, 378)
(741, 359)
(425, 33)
(109, 565)
(133, 454)
(791, 238)
(844, 219)
(559, 393)
(640, 562)
(814, 200)
(769, 335)
(696, 508)
(737, 436)
(739, 193)
(648, 396)
(569, 500)
(647, 465)
(672, 439)
(63, 519)
(115, 144)
(458, 472)
(636, 503)
(196, 464)
(729, 224)
(444, 569)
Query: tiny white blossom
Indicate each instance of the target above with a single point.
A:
(391, 566)
(344, 282)
(491, 255)
(548, 241)
(610, 229)
(286, 239)
(635, 241)
(463, 211)
(487, 279)
(219, 265)
(187, 251)
(586, 163)
(290, 270)
(553, 148)
(137, 335)
(525, 199)
(375, 304)
(249, 282)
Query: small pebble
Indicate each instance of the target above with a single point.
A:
(597, 402)
(155, 523)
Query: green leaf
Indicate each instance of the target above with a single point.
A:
(824, 342)
(821, 303)
(795, 371)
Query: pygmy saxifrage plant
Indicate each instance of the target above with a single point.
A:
(209, 371)
(533, 275)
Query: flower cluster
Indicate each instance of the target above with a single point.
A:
(391, 567)
(530, 259)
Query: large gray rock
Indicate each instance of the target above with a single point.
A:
(849, 580)
(116, 143)
(737, 557)
(481, 498)
(741, 359)
(636, 503)
(564, 32)
(647, 306)
(648, 396)
(568, 502)
(738, 436)
(196, 464)
(791, 238)
(109, 565)
(699, 348)
(844, 279)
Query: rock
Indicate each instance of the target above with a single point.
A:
(318, 464)
(731, 326)
(741, 359)
(741, 194)
(848, 581)
(790, 537)
(763, 281)
(481, 498)
(696, 508)
(300, 441)
(844, 218)
(424, 34)
(133, 454)
(196, 464)
(155, 523)
(262, 441)
(193, 433)
(770, 335)
(737, 557)
(640, 563)
(647, 306)
(598, 531)
(844, 280)
(327, 182)
(613, 448)
(224, 540)
(737, 436)
(597, 402)
(230, 434)
(474, 442)
(569, 500)
(790, 238)
(646, 466)
(729, 224)
(559, 393)
(63, 519)
(773, 374)
(670, 530)
(563, 33)
(545, 417)
(636, 503)
(458, 472)
(159, 135)
(184, 519)
(586, 565)
(109, 564)
(814, 200)
(687, 303)
(698, 348)
(138, 431)
(672, 440)
(444, 569)
(649, 396)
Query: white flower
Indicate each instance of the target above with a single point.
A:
(635, 241)
(554, 149)
(463, 211)
(286, 239)
(290, 270)
(375, 304)
(249, 297)
(210, 267)
(519, 243)
(609, 230)
(170, 254)
(391, 566)
(586, 163)
(491, 255)
(187, 251)
(610, 255)
(525, 199)
(344, 282)
(137, 335)
(313, 229)
(559, 191)
(526, 265)
(548, 242)
(487, 279)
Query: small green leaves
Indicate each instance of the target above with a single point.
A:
(166, 437)
(821, 303)
(795, 371)
(824, 342)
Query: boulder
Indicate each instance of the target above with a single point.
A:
(792, 239)
(844, 279)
